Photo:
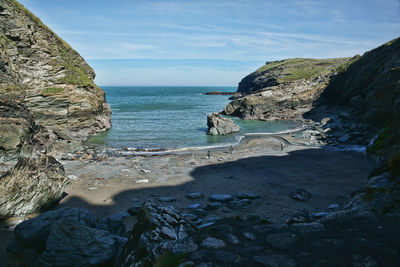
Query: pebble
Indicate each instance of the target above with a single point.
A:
(318, 215)
(194, 206)
(309, 227)
(213, 219)
(281, 241)
(220, 198)
(226, 257)
(145, 171)
(275, 260)
(195, 195)
(72, 177)
(167, 199)
(142, 181)
(92, 188)
(232, 239)
(250, 236)
(333, 207)
(213, 206)
(300, 194)
(212, 242)
(247, 195)
(205, 225)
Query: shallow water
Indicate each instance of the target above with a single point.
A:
(170, 117)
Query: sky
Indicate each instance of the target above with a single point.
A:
(212, 42)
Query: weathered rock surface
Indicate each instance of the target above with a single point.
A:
(65, 237)
(31, 185)
(220, 125)
(52, 80)
(17, 126)
(157, 230)
(283, 89)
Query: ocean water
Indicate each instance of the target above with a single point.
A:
(169, 117)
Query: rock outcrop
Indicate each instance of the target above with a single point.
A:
(220, 125)
(285, 89)
(65, 237)
(158, 230)
(369, 89)
(50, 79)
(31, 185)
(17, 126)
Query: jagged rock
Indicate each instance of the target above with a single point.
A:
(72, 244)
(17, 127)
(154, 233)
(220, 125)
(300, 194)
(52, 80)
(300, 216)
(65, 237)
(33, 184)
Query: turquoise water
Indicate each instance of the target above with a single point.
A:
(169, 117)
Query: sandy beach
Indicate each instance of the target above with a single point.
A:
(257, 165)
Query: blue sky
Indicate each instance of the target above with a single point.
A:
(204, 42)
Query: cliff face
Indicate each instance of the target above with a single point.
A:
(370, 88)
(284, 89)
(51, 80)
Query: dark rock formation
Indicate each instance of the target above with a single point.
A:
(370, 89)
(51, 80)
(218, 93)
(220, 125)
(283, 89)
(31, 185)
(158, 230)
(65, 237)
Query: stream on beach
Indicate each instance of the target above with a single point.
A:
(161, 117)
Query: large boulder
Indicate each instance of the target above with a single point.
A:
(33, 184)
(65, 237)
(220, 125)
(158, 229)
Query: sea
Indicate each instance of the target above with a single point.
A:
(171, 117)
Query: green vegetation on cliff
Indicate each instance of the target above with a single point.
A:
(76, 72)
(303, 68)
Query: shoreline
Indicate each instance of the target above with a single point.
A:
(240, 137)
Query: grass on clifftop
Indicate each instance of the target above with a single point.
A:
(77, 69)
(304, 68)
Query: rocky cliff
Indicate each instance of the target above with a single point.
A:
(284, 89)
(49, 84)
(370, 90)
